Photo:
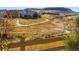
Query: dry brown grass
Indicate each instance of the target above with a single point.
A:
(46, 28)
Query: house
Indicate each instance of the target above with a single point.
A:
(29, 13)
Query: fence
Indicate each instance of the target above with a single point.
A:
(38, 45)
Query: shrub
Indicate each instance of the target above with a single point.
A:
(77, 19)
(72, 41)
(17, 34)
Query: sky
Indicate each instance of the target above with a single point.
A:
(76, 9)
(21, 4)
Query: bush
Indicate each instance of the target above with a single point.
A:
(17, 34)
(77, 19)
(72, 41)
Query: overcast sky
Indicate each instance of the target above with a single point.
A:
(21, 4)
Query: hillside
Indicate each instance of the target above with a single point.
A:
(42, 34)
(50, 24)
(59, 9)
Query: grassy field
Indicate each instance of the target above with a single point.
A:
(46, 27)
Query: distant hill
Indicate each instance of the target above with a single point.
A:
(59, 9)
(55, 10)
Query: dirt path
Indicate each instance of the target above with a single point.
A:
(18, 23)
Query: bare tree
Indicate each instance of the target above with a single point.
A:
(5, 29)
